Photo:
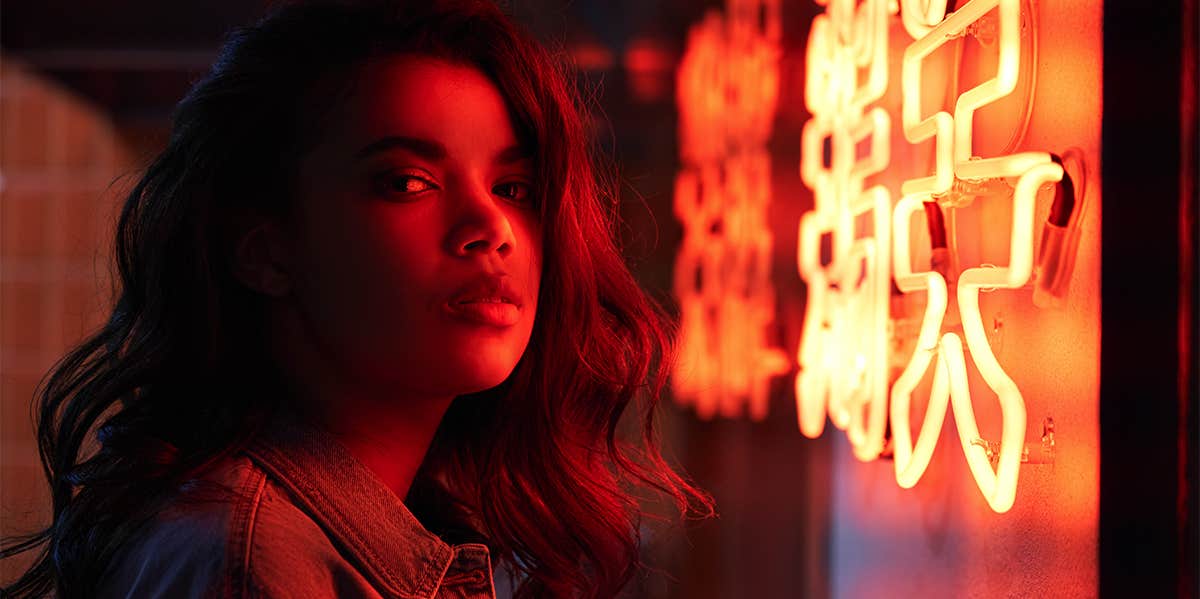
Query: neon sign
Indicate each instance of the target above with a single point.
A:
(728, 83)
(849, 266)
(843, 352)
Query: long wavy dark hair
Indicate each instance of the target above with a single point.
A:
(148, 401)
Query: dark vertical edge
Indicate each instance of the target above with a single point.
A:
(1140, 521)
(818, 534)
(1188, 505)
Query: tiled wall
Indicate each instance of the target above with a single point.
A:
(62, 172)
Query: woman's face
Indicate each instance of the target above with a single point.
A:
(416, 251)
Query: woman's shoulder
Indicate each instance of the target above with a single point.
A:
(183, 550)
(231, 532)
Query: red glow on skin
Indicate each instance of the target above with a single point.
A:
(413, 209)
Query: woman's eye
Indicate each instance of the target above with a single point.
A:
(514, 191)
(400, 183)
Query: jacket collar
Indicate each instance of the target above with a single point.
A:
(370, 523)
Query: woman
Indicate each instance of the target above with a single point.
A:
(372, 263)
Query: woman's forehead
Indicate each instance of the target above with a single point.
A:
(451, 103)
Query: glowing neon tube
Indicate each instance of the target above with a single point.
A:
(920, 16)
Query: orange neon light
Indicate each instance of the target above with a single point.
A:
(1033, 169)
(843, 352)
(728, 84)
(921, 16)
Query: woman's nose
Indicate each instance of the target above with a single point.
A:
(480, 226)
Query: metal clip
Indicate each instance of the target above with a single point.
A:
(1042, 454)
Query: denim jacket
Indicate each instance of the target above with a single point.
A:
(306, 520)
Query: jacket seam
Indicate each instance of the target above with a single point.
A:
(308, 496)
(471, 576)
(242, 532)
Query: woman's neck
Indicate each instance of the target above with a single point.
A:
(389, 436)
(385, 427)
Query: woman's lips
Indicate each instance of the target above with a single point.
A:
(492, 312)
(489, 299)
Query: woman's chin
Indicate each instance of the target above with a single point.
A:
(444, 370)
(467, 373)
(482, 377)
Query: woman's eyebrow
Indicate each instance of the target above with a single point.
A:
(511, 155)
(425, 148)
(433, 150)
